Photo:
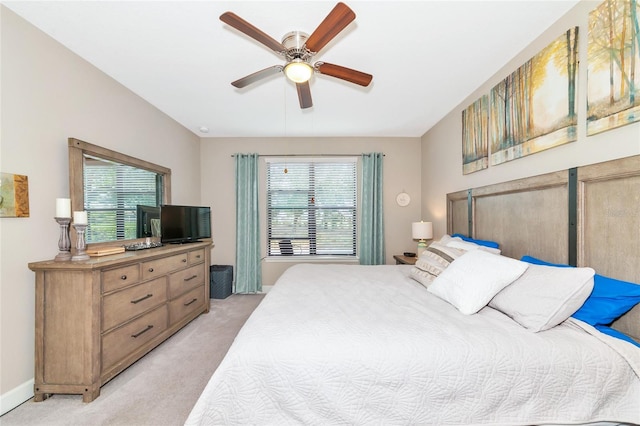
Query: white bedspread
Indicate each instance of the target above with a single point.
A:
(340, 344)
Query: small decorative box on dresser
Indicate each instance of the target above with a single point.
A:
(95, 318)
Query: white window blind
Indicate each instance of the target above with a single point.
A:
(111, 193)
(311, 207)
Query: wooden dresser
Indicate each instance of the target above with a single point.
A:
(94, 318)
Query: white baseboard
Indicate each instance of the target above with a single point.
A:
(16, 396)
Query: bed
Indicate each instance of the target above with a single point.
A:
(344, 344)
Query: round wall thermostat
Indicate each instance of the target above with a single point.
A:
(403, 199)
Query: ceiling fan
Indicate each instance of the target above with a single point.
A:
(298, 49)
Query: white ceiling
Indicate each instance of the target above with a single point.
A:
(425, 57)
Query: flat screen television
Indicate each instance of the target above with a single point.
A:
(147, 221)
(184, 224)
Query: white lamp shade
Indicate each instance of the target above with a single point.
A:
(422, 230)
(298, 71)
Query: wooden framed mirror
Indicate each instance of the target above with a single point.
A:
(110, 185)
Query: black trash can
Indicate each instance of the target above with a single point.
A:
(221, 281)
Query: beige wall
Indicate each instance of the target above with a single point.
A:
(48, 95)
(401, 172)
(442, 145)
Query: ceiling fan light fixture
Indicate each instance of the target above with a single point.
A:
(298, 49)
(298, 71)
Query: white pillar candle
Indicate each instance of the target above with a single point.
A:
(80, 218)
(63, 207)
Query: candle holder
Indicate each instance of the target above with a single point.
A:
(81, 253)
(64, 243)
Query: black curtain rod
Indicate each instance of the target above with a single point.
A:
(309, 155)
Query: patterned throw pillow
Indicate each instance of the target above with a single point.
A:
(435, 259)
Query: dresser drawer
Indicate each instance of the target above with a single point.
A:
(186, 304)
(196, 256)
(181, 281)
(119, 343)
(119, 307)
(155, 268)
(114, 279)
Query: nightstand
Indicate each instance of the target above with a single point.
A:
(404, 260)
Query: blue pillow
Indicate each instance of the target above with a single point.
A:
(609, 300)
(615, 333)
(485, 243)
(530, 259)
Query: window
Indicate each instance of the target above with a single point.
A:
(111, 193)
(311, 207)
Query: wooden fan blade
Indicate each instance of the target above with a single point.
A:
(258, 75)
(336, 21)
(344, 73)
(241, 25)
(304, 95)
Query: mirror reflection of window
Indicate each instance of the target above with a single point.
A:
(111, 193)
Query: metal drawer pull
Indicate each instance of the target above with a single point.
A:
(198, 257)
(191, 277)
(149, 327)
(150, 269)
(142, 298)
(190, 302)
(124, 277)
(184, 260)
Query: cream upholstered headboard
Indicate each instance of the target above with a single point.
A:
(584, 216)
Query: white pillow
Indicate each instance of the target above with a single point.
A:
(459, 243)
(474, 278)
(545, 296)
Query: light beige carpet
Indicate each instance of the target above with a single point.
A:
(159, 389)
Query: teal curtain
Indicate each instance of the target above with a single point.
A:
(371, 247)
(248, 267)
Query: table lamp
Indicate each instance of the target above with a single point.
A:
(422, 231)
